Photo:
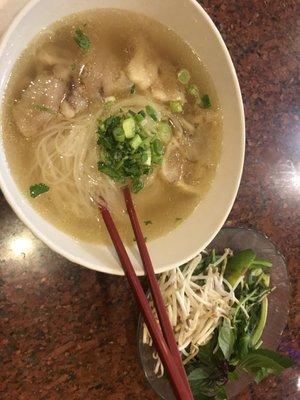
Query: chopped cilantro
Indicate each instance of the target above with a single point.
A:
(82, 40)
(41, 107)
(37, 189)
(205, 101)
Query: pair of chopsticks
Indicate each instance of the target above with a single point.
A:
(162, 335)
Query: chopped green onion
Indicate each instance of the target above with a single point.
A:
(119, 134)
(193, 90)
(41, 107)
(143, 134)
(139, 117)
(184, 76)
(176, 107)
(164, 131)
(148, 157)
(156, 159)
(39, 188)
(82, 40)
(157, 147)
(146, 143)
(129, 127)
(133, 89)
(151, 112)
(205, 101)
(128, 150)
(136, 142)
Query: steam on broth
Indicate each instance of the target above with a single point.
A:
(106, 98)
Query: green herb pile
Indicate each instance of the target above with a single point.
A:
(235, 346)
(129, 149)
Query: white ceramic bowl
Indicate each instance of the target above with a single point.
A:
(191, 22)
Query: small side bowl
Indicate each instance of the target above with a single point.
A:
(236, 239)
(194, 25)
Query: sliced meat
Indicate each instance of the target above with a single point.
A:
(67, 110)
(205, 120)
(38, 103)
(143, 67)
(163, 93)
(171, 169)
(56, 60)
(177, 170)
(77, 99)
(103, 74)
(50, 55)
(166, 87)
(62, 72)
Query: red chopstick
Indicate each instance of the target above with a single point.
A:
(181, 390)
(154, 287)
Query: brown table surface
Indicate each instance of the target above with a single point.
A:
(70, 333)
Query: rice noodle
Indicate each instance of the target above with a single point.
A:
(66, 156)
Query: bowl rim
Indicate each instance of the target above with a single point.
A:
(38, 232)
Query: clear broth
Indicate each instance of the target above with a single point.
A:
(159, 210)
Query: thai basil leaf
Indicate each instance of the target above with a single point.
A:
(263, 362)
(243, 345)
(226, 339)
(282, 360)
(197, 375)
(262, 373)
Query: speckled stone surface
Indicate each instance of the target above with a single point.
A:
(70, 333)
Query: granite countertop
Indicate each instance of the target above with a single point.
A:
(70, 333)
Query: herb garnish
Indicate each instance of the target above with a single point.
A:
(129, 151)
(176, 107)
(184, 76)
(205, 101)
(234, 345)
(37, 189)
(194, 91)
(82, 40)
(41, 107)
(148, 222)
(152, 112)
